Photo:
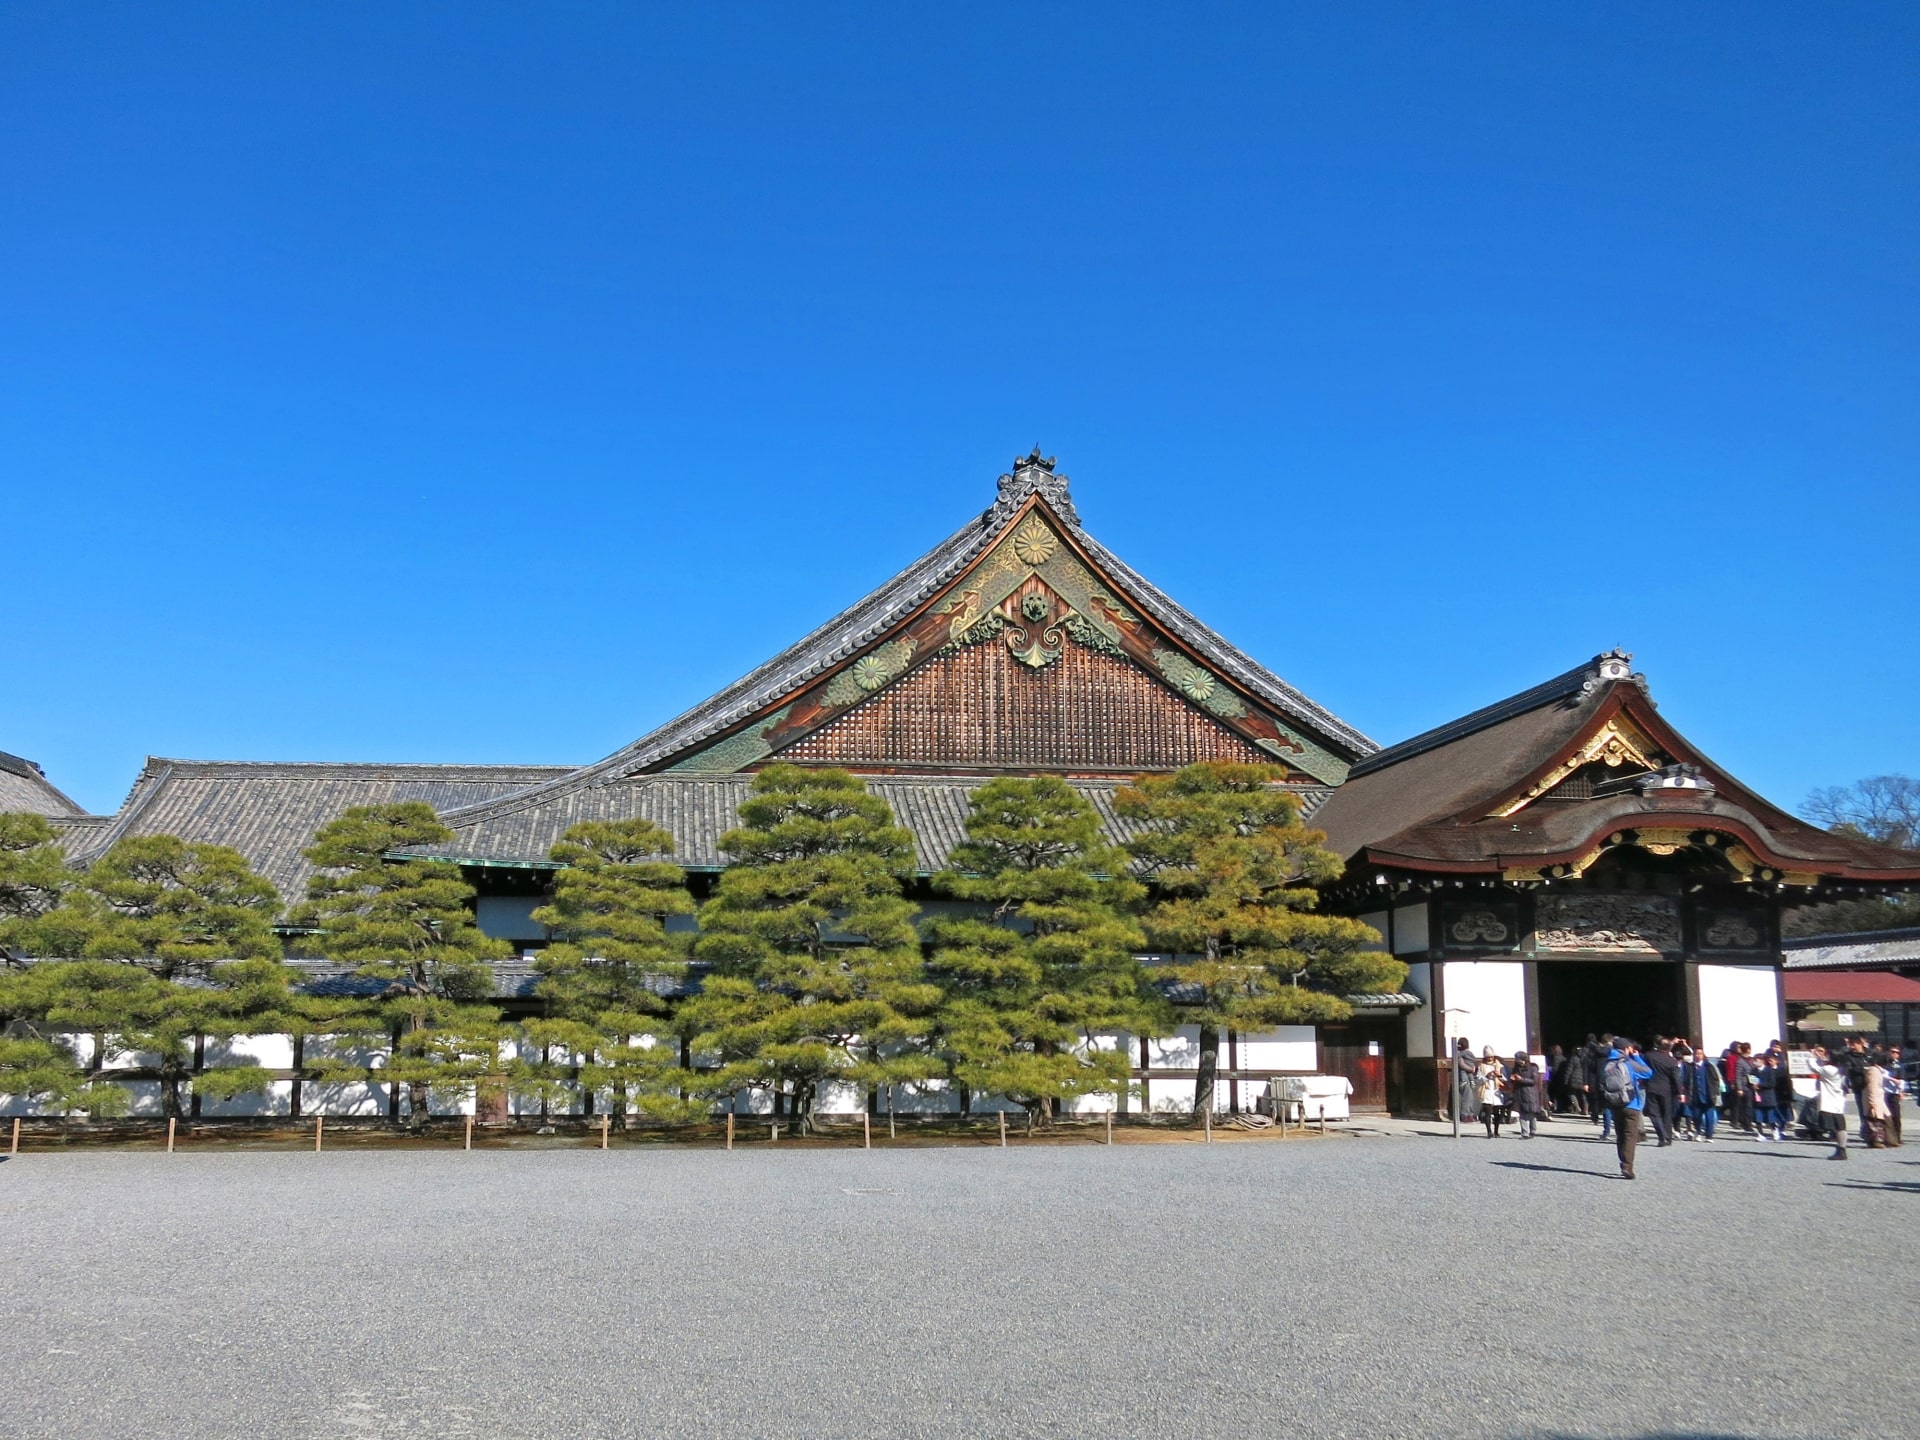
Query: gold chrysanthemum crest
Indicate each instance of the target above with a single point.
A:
(1034, 543)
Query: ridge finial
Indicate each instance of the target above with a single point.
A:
(1033, 474)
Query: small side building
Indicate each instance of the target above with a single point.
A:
(1565, 862)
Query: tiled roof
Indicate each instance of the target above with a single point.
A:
(1880, 949)
(24, 789)
(269, 811)
(698, 809)
(868, 619)
(1400, 1000)
(1456, 797)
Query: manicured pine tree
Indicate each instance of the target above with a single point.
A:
(153, 911)
(187, 911)
(1050, 960)
(1232, 870)
(604, 978)
(817, 970)
(34, 878)
(409, 923)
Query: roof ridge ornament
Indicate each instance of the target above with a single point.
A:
(1614, 664)
(1032, 474)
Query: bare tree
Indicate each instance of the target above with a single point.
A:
(1882, 807)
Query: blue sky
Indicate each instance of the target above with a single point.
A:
(490, 383)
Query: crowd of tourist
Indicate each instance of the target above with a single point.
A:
(1683, 1093)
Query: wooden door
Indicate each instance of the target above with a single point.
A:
(1362, 1059)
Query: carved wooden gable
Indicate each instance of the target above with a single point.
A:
(983, 706)
(1030, 659)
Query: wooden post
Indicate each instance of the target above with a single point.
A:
(319, 1129)
(729, 1129)
(1003, 1129)
(774, 1138)
(14, 1149)
(1209, 1123)
(866, 1130)
(171, 1122)
(469, 1132)
(892, 1134)
(1109, 1127)
(604, 1120)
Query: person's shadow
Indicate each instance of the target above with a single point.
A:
(1554, 1169)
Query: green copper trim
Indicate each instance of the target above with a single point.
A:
(734, 753)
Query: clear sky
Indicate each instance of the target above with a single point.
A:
(491, 382)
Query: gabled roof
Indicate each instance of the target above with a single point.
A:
(1494, 793)
(25, 789)
(269, 811)
(728, 731)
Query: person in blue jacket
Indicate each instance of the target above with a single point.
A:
(1700, 1093)
(1622, 1086)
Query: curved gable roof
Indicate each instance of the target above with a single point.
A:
(867, 623)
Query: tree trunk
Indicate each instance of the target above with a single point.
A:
(1209, 1067)
(1039, 1114)
(803, 1107)
(416, 1104)
(170, 1087)
(620, 1115)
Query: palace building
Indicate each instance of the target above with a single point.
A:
(1558, 862)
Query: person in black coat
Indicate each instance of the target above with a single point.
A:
(1593, 1062)
(1663, 1091)
(1573, 1082)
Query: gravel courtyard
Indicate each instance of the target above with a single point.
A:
(1374, 1286)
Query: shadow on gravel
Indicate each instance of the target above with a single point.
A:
(1555, 1169)
(1900, 1187)
(1655, 1435)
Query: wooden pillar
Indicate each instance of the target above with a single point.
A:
(1233, 1071)
(393, 1086)
(1530, 981)
(199, 1064)
(1695, 1025)
(1146, 1081)
(293, 1088)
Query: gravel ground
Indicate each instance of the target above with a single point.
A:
(1382, 1286)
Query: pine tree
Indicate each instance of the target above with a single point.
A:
(409, 923)
(817, 971)
(34, 878)
(179, 908)
(36, 1064)
(152, 912)
(1232, 868)
(611, 960)
(1029, 984)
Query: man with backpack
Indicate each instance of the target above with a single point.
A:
(1622, 1079)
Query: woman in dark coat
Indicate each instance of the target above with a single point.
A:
(1573, 1084)
(1523, 1094)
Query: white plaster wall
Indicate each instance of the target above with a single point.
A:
(1490, 1001)
(1290, 1047)
(344, 1100)
(1179, 1051)
(1739, 1002)
(1420, 1022)
(274, 1052)
(1410, 929)
(276, 1099)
